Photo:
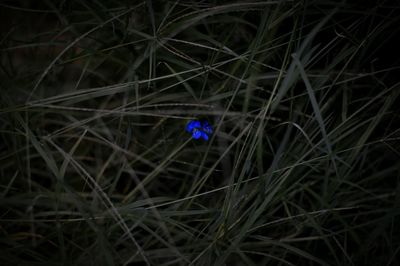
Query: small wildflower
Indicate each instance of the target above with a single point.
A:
(199, 129)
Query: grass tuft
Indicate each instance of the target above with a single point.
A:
(96, 167)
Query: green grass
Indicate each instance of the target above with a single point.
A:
(302, 168)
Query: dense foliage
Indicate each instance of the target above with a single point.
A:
(301, 166)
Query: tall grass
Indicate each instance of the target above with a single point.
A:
(302, 167)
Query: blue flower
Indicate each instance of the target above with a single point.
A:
(199, 129)
(196, 133)
(192, 125)
(207, 128)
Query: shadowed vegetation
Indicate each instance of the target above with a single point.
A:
(96, 167)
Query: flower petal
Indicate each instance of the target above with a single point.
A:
(196, 134)
(204, 135)
(207, 127)
(192, 125)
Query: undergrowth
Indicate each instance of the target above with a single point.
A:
(96, 167)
